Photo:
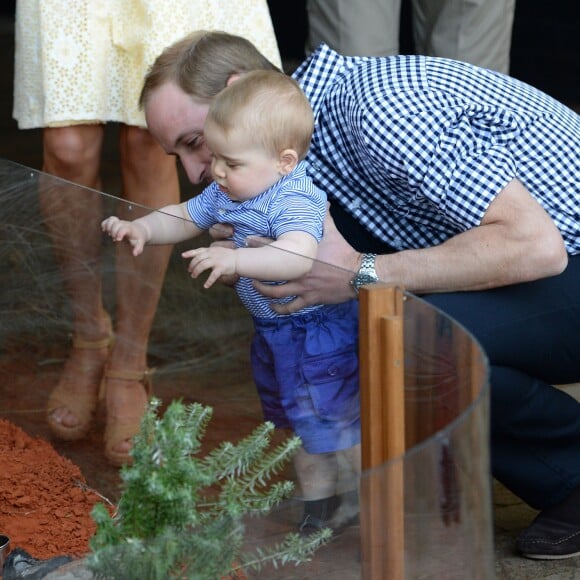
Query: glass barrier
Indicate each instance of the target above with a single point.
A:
(52, 249)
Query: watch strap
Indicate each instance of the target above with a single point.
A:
(367, 273)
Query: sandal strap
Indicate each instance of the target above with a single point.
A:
(83, 344)
(105, 342)
(143, 377)
(128, 375)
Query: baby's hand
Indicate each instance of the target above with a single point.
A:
(121, 229)
(221, 262)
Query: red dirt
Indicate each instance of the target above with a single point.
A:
(45, 504)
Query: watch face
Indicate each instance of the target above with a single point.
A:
(363, 279)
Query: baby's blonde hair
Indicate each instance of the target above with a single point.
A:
(269, 107)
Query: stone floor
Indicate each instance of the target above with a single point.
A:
(510, 514)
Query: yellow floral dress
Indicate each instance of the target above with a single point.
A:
(83, 61)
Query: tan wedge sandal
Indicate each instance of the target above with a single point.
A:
(121, 428)
(82, 403)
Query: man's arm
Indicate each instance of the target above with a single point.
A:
(517, 241)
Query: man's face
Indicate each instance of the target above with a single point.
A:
(177, 122)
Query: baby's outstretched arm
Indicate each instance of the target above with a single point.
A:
(168, 225)
(137, 234)
(262, 263)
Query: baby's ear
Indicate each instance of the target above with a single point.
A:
(232, 78)
(288, 161)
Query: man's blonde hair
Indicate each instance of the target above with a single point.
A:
(269, 107)
(201, 64)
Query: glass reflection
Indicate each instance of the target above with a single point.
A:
(199, 346)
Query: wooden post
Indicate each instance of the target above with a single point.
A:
(382, 431)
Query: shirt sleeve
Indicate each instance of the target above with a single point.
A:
(201, 208)
(467, 169)
(456, 157)
(298, 211)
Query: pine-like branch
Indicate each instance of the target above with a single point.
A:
(166, 523)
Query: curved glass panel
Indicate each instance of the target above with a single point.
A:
(423, 511)
(444, 473)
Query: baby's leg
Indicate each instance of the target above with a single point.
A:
(352, 458)
(325, 502)
(317, 474)
(349, 461)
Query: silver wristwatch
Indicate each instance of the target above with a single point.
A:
(366, 273)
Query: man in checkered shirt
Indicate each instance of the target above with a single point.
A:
(463, 186)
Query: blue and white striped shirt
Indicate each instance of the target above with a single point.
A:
(293, 203)
(416, 148)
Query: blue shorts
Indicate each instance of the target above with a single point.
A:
(306, 371)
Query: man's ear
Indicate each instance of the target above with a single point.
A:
(288, 161)
(232, 79)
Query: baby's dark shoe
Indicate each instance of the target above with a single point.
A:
(317, 514)
(336, 512)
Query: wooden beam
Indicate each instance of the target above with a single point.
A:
(382, 432)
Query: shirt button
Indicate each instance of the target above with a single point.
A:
(332, 371)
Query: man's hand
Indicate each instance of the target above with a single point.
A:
(136, 234)
(329, 280)
(221, 261)
(222, 233)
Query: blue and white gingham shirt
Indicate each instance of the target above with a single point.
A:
(293, 203)
(416, 148)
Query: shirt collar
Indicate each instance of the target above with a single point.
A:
(323, 68)
(299, 172)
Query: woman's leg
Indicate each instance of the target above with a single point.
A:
(72, 215)
(149, 178)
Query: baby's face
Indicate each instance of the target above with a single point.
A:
(242, 169)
